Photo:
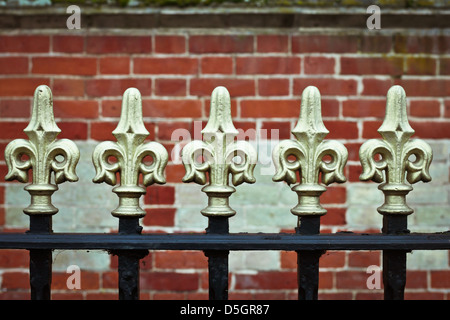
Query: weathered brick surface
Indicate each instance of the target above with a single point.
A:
(265, 73)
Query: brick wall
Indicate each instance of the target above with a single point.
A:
(265, 72)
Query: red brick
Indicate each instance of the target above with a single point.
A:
(172, 108)
(362, 66)
(236, 87)
(102, 131)
(335, 296)
(447, 108)
(352, 279)
(330, 107)
(376, 44)
(169, 296)
(270, 108)
(164, 217)
(68, 87)
(276, 129)
(114, 65)
(166, 129)
(217, 65)
(443, 44)
(332, 259)
(325, 280)
(370, 129)
(170, 87)
(67, 296)
(353, 150)
(247, 130)
(174, 172)
(110, 280)
(288, 259)
(353, 172)
(15, 108)
(363, 108)
(334, 216)
(68, 44)
(426, 295)
(111, 108)
(333, 195)
(416, 279)
(425, 108)
(11, 258)
(324, 43)
(272, 43)
(73, 130)
(341, 87)
(15, 280)
(220, 44)
(267, 65)
(20, 43)
(21, 86)
(160, 195)
(181, 260)
(116, 87)
(444, 66)
(341, 129)
(173, 65)
(12, 130)
(431, 129)
(267, 280)
(373, 295)
(364, 259)
(376, 87)
(87, 109)
(13, 65)
(170, 44)
(440, 279)
(416, 44)
(63, 65)
(273, 87)
(169, 281)
(118, 44)
(319, 65)
(420, 66)
(425, 88)
(102, 296)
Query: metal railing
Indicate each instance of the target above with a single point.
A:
(212, 162)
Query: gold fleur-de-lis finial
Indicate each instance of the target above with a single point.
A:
(308, 152)
(43, 152)
(130, 151)
(219, 149)
(395, 150)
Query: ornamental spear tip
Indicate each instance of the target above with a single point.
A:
(309, 150)
(219, 148)
(220, 114)
(42, 150)
(395, 168)
(396, 124)
(42, 124)
(130, 151)
(310, 124)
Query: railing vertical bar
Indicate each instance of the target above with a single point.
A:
(394, 261)
(128, 261)
(308, 261)
(40, 260)
(218, 261)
